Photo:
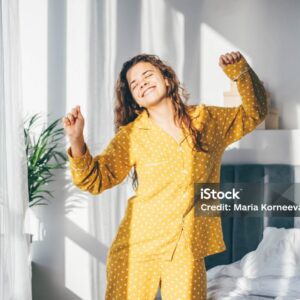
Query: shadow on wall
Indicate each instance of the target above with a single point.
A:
(52, 258)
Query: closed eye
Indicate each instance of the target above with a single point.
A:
(133, 88)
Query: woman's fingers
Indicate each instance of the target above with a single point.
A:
(235, 57)
(222, 61)
(239, 55)
(71, 117)
(229, 58)
(75, 111)
(66, 122)
(225, 59)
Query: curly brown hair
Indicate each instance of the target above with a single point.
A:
(126, 109)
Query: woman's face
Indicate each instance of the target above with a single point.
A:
(147, 84)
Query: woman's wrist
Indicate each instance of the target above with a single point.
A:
(77, 146)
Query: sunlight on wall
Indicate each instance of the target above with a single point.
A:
(109, 46)
(77, 274)
(35, 226)
(76, 54)
(76, 72)
(33, 35)
(77, 270)
(213, 80)
(156, 35)
(79, 212)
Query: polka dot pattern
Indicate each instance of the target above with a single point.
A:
(181, 278)
(163, 207)
(232, 123)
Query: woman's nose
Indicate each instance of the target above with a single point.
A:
(143, 83)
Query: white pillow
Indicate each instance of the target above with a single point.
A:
(278, 254)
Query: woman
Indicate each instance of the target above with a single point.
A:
(162, 241)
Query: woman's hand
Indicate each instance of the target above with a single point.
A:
(229, 58)
(73, 124)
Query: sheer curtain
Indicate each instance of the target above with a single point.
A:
(15, 267)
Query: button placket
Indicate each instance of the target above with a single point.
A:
(184, 171)
(180, 149)
(180, 234)
(184, 195)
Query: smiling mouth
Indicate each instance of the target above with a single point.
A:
(148, 90)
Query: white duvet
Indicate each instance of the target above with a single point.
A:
(272, 271)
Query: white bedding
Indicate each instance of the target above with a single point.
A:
(272, 271)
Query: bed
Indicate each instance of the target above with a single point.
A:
(262, 260)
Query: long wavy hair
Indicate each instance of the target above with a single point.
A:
(126, 109)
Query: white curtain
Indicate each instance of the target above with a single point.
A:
(15, 266)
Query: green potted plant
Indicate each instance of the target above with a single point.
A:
(44, 155)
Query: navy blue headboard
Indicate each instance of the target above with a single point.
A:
(243, 234)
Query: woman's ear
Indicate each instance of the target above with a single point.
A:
(167, 82)
(168, 86)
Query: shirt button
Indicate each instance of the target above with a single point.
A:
(179, 149)
(184, 171)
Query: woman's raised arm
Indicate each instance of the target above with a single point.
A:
(232, 123)
(109, 168)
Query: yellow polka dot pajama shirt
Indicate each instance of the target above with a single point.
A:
(161, 241)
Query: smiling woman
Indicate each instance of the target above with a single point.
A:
(147, 82)
(170, 146)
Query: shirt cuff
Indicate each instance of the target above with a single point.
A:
(234, 71)
(80, 163)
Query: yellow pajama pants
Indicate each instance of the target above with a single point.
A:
(182, 278)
